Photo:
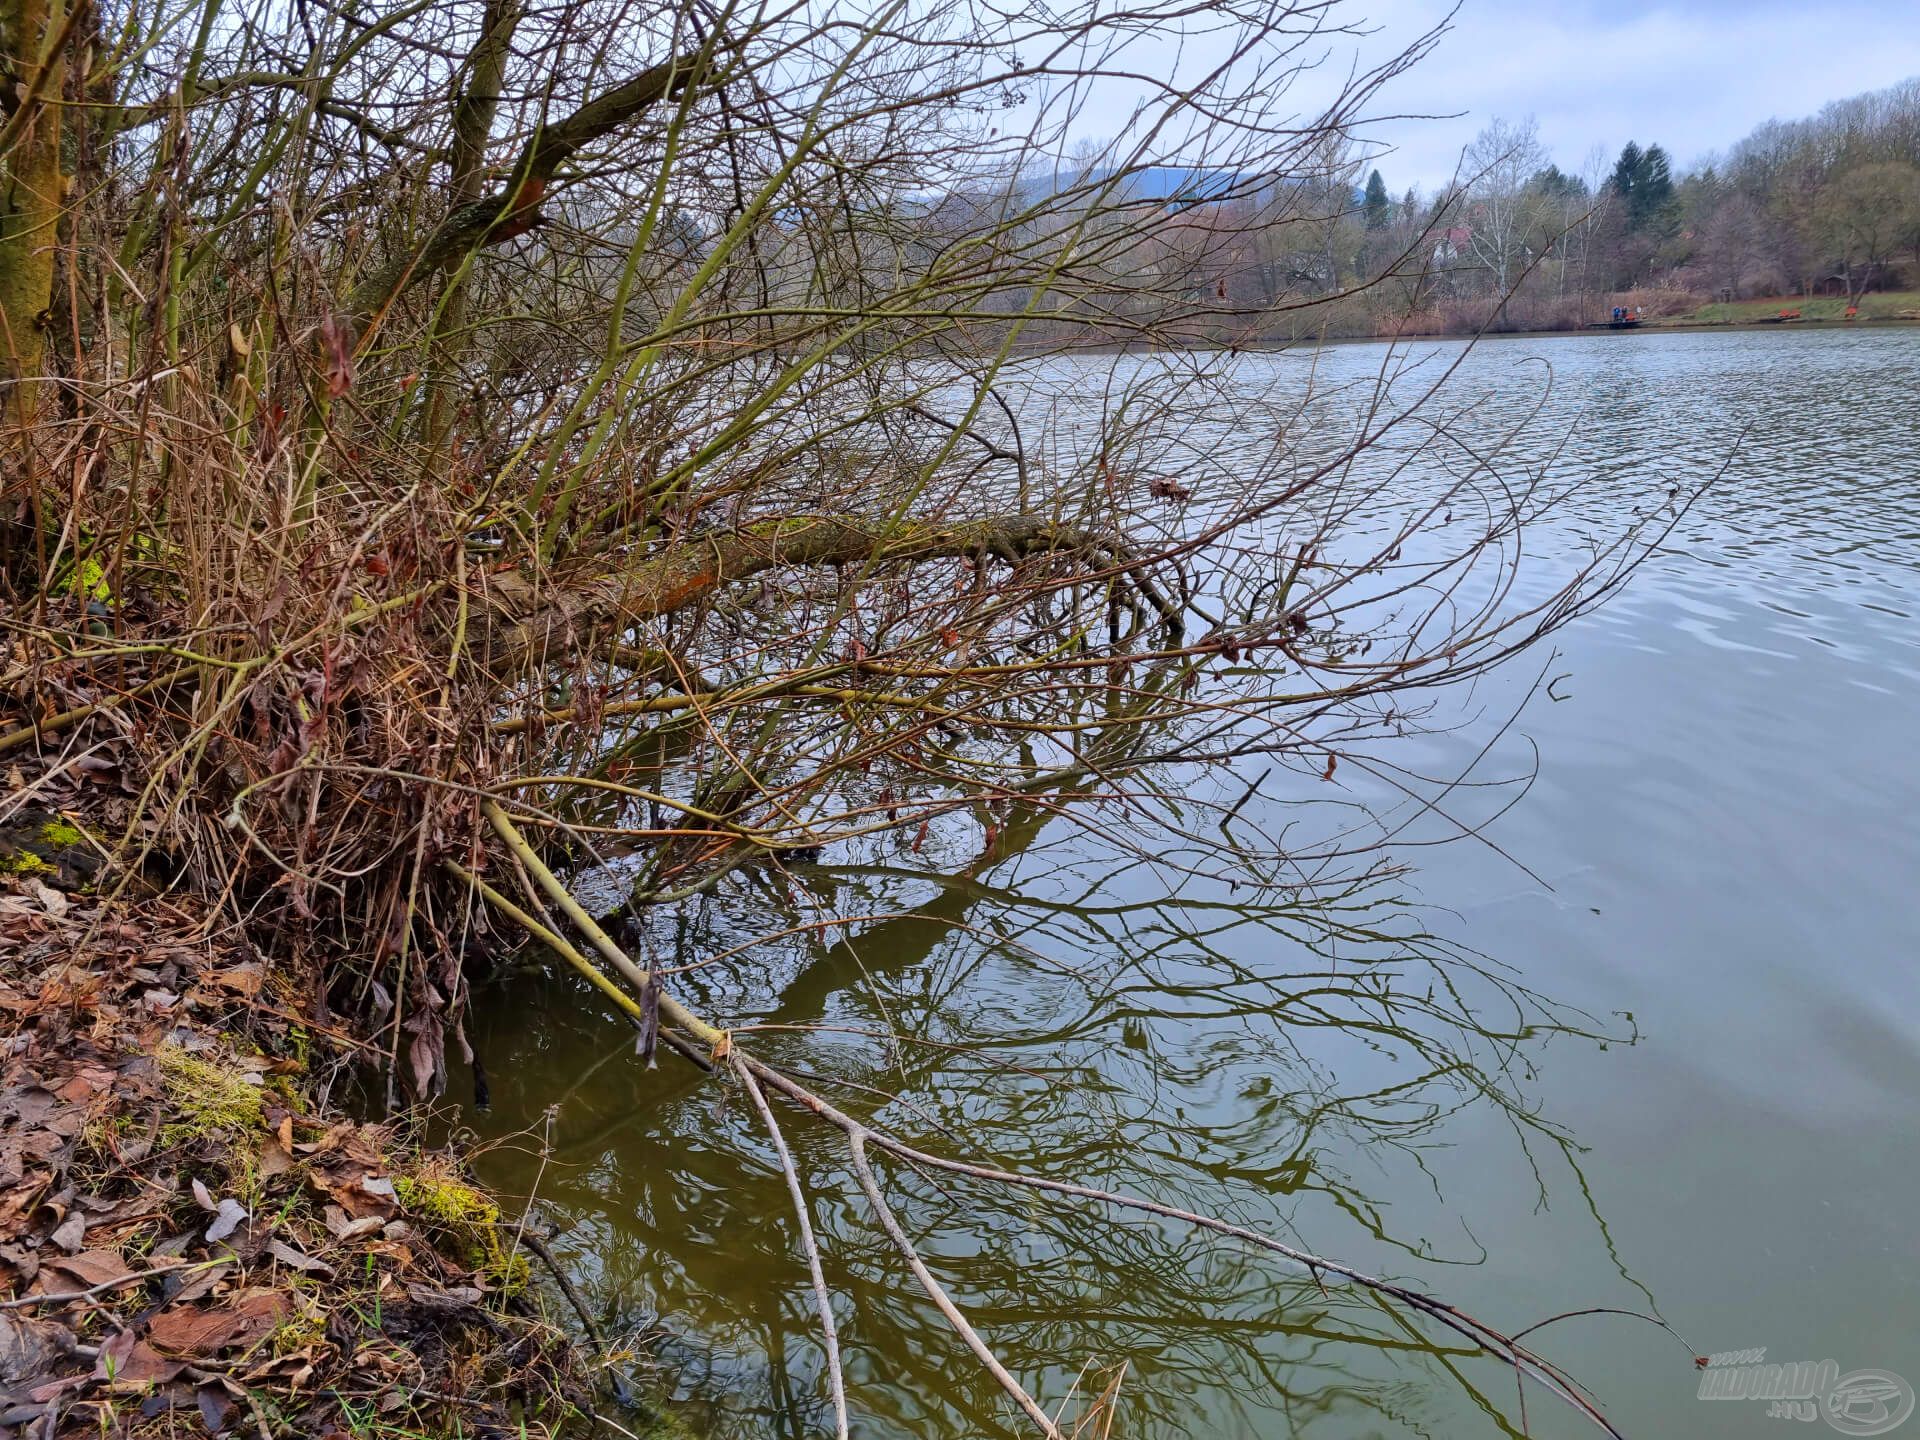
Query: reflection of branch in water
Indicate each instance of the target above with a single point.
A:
(1381, 997)
(1175, 954)
(862, 1136)
(899, 944)
(691, 1219)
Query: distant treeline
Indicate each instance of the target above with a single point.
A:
(1828, 205)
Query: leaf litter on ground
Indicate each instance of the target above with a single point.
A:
(186, 1237)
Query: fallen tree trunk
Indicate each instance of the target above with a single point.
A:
(694, 567)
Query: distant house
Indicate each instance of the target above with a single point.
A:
(1454, 243)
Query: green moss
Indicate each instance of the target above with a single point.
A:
(41, 848)
(456, 1212)
(298, 1331)
(61, 834)
(90, 579)
(211, 1099)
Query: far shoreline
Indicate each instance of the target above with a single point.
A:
(1253, 347)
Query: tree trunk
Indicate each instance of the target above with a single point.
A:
(32, 188)
(550, 621)
(472, 127)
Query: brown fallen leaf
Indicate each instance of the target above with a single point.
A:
(245, 979)
(353, 1201)
(287, 1255)
(71, 1233)
(246, 1318)
(85, 1084)
(61, 1273)
(274, 1159)
(342, 1228)
(215, 1406)
(40, 1394)
(202, 1282)
(29, 1348)
(126, 1363)
(51, 900)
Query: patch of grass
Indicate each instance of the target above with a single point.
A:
(299, 1330)
(1876, 306)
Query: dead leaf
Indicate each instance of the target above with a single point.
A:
(71, 1232)
(127, 1363)
(201, 1282)
(336, 349)
(287, 1255)
(190, 1330)
(51, 900)
(40, 1394)
(274, 1160)
(113, 1353)
(215, 1406)
(245, 979)
(232, 1215)
(342, 1228)
(80, 1272)
(29, 1348)
(647, 1040)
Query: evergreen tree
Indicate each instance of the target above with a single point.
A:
(1554, 183)
(1377, 203)
(1643, 179)
(1653, 193)
(1626, 172)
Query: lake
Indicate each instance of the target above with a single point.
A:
(1647, 1037)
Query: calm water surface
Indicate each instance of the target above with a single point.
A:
(1692, 1092)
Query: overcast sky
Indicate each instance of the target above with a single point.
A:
(1692, 75)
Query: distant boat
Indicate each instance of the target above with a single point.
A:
(1624, 317)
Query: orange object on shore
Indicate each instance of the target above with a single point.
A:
(1852, 311)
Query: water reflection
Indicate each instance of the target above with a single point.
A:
(1724, 816)
(1061, 1009)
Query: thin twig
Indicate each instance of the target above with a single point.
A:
(863, 1172)
(823, 1300)
(121, 1282)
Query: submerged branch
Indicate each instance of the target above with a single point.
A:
(754, 1074)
